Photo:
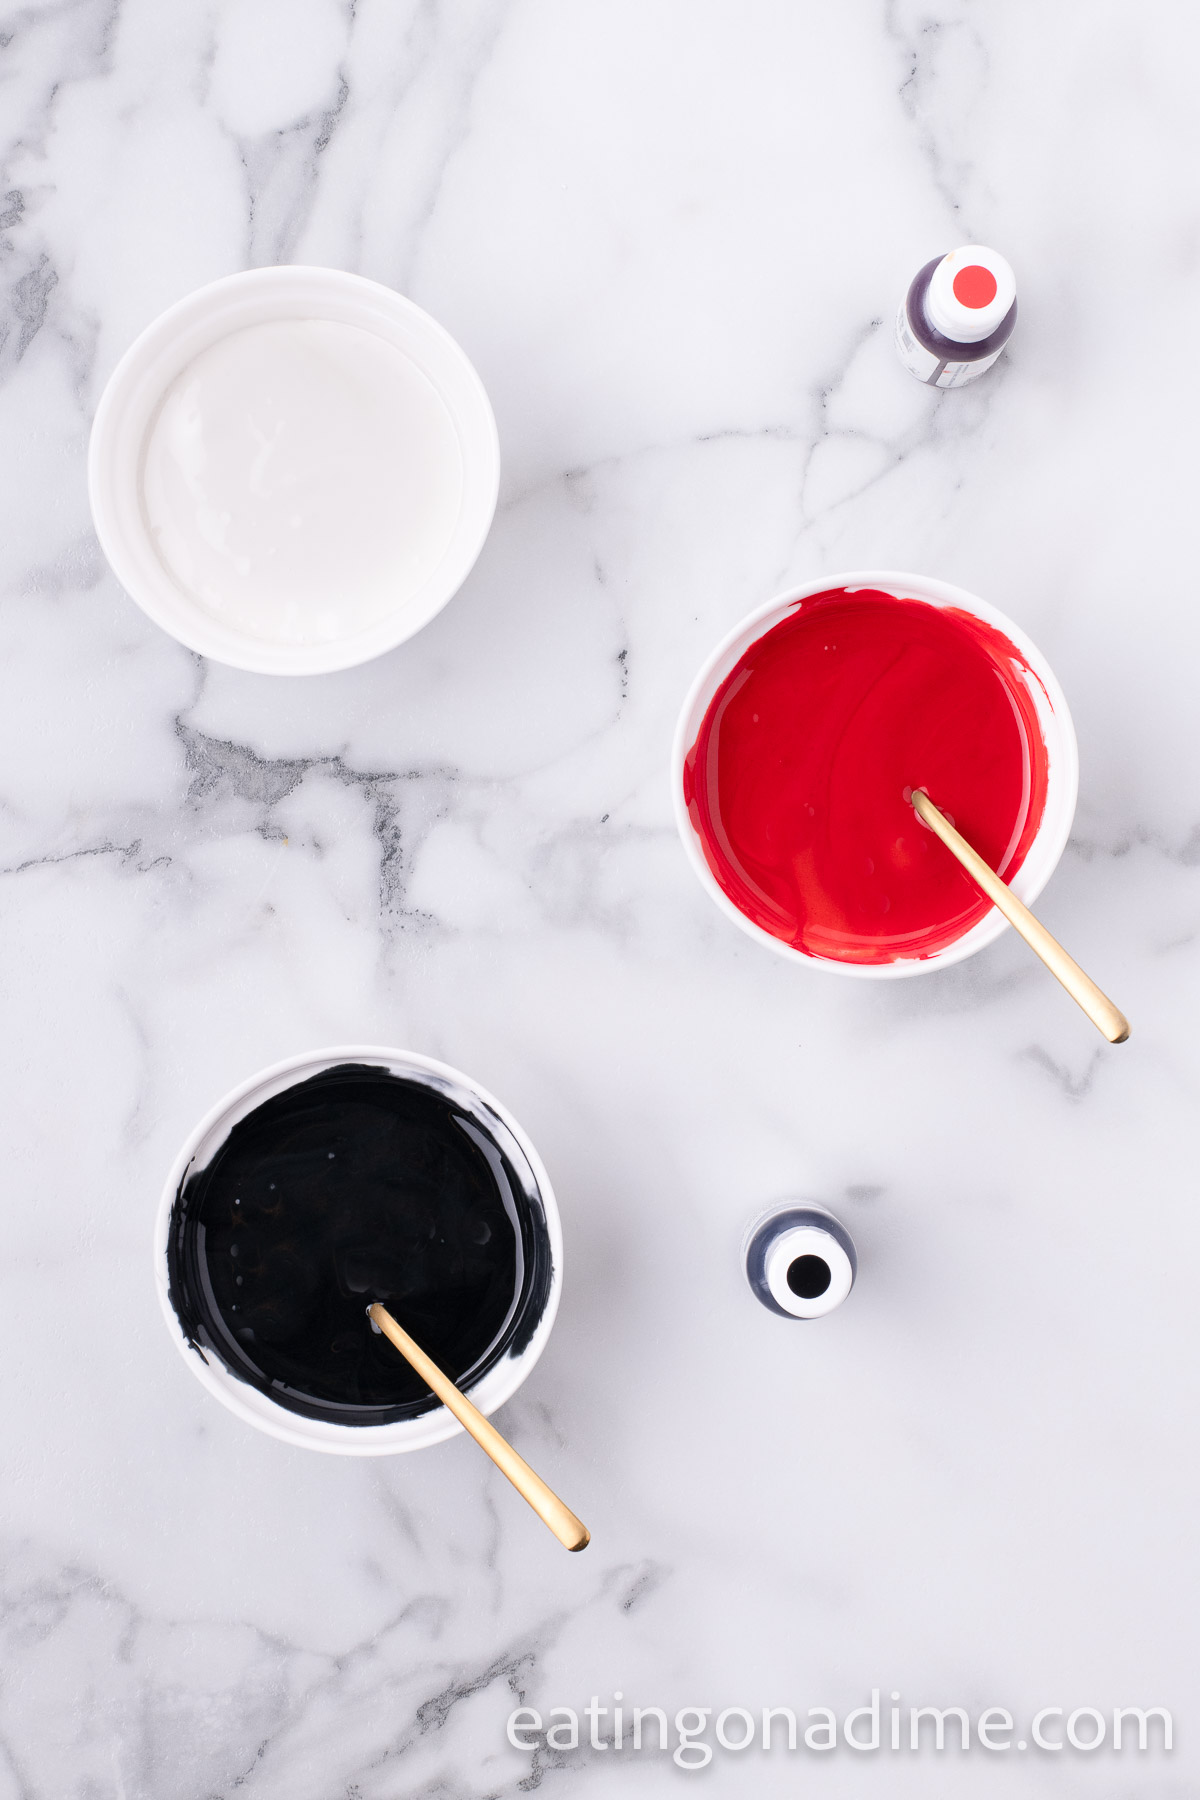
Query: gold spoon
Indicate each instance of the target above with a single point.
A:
(569, 1530)
(1082, 989)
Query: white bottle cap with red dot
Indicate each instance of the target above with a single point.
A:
(970, 293)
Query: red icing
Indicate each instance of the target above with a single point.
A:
(974, 286)
(796, 781)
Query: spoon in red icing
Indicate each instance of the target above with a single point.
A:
(1099, 1008)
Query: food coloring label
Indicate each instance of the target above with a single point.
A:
(931, 369)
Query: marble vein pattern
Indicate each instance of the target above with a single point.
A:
(672, 237)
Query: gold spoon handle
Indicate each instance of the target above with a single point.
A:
(1082, 989)
(569, 1530)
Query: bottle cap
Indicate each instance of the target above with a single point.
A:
(970, 293)
(800, 1261)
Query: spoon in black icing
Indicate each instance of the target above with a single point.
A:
(569, 1530)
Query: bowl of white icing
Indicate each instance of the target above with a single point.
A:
(293, 469)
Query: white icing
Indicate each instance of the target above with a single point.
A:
(301, 480)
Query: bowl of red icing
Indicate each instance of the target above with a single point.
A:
(803, 737)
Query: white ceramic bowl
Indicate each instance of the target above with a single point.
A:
(497, 1384)
(1053, 716)
(130, 404)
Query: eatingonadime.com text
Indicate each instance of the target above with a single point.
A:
(691, 1734)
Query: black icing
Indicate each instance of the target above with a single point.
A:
(352, 1186)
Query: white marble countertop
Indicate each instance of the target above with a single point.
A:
(672, 238)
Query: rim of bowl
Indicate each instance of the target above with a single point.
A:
(258, 1409)
(1062, 756)
(164, 348)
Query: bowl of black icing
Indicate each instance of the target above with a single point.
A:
(335, 1179)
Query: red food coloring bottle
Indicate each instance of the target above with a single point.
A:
(957, 316)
